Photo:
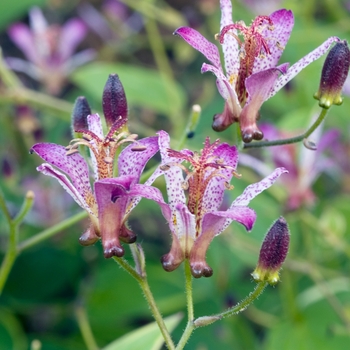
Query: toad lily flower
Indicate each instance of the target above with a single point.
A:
(196, 221)
(111, 199)
(252, 75)
(48, 49)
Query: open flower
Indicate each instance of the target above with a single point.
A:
(251, 54)
(48, 49)
(110, 200)
(196, 221)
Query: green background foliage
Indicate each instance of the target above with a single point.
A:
(51, 281)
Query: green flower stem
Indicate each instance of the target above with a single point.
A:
(191, 125)
(10, 256)
(85, 328)
(4, 209)
(43, 235)
(259, 288)
(164, 14)
(295, 139)
(22, 95)
(143, 282)
(162, 62)
(11, 252)
(237, 137)
(189, 296)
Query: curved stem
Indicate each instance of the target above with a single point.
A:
(143, 282)
(43, 235)
(85, 328)
(9, 258)
(295, 139)
(207, 320)
(241, 306)
(11, 252)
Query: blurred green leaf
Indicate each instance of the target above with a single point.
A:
(146, 337)
(13, 10)
(11, 332)
(143, 87)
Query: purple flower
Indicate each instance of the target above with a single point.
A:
(252, 74)
(196, 221)
(48, 49)
(110, 200)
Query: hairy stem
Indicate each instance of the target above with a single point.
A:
(143, 282)
(295, 139)
(190, 313)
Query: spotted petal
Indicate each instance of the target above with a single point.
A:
(173, 176)
(49, 170)
(253, 190)
(200, 43)
(131, 162)
(214, 192)
(74, 165)
(283, 22)
(230, 45)
(301, 64)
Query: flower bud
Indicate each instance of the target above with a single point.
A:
(273, 252)
(114, 102)
(334, 73)
(80, 112)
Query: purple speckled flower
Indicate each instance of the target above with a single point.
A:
(48, 49)
(196, 221)
(110, 200)
(251, 54)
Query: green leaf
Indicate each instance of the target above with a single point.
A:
(146, 337)
(143, 87)
(12, 10)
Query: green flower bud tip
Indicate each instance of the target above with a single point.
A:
(334, 73)
(273, 253)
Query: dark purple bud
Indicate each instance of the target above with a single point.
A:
(273, 252)
(334, 73)
(81, 110)
(114, 102)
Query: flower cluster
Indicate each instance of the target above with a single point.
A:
(110, 200)
(194, 210)
(193, 222)
(251, 55)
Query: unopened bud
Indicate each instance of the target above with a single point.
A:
(206, 320)
(139, 258)
(80, 112)
(114, 102)
(273, 252)
(334, 73)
